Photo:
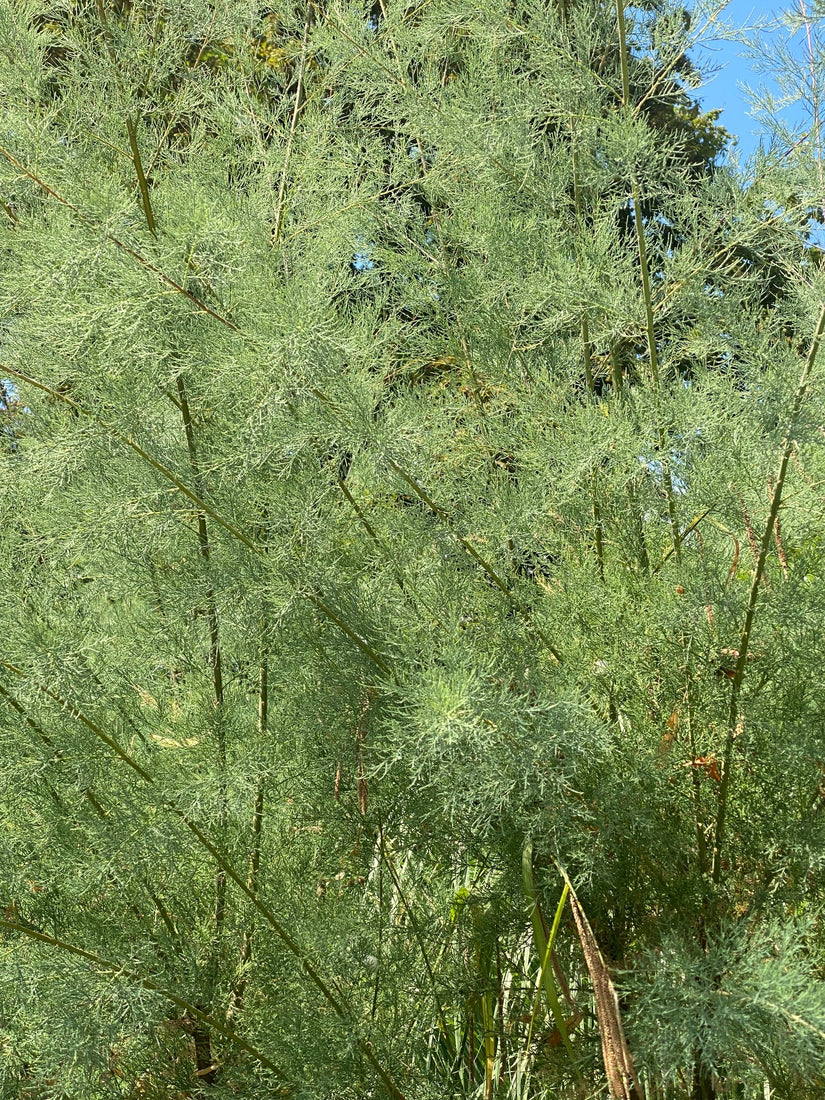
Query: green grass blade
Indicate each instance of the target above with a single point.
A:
(544, 948)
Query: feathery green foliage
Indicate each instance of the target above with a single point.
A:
(411, 517)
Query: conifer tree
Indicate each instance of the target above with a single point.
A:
(411, 561)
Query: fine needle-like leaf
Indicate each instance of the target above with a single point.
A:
(203, 507)
(734, 724)
(334, 999)
(647, 296)
(149, 983)
(118, 243)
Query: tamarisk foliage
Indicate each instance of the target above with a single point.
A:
(412, 563)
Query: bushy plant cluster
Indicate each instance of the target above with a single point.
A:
(411, 559)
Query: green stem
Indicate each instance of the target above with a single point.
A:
(353, 635)
(142, 260)
(417, 933)
(295, 949)
(88, 793)
(542, 982)
(164, 471)
(701, 839)
(623, 54)
(544, 944)
(279, 209)
(201, 504)
(654, 370)
(753, 595)
(446, 518)
(441, 514)
(142, 184)
(588, 363)
(148, 983)
(615, 371)
(598, 526)
(216, 664)
(239, 991)
(648, 299)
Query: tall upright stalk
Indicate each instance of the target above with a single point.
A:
(701, 838)
(648, 301)
(816, 108)
(598, 530)
(735, 719)
(245, 957)
(208, 1074)
(280, 203)
(131, 132)
(206, 1069)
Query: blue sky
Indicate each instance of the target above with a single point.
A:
(737, 68)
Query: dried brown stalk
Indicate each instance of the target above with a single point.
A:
(618, 1061)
